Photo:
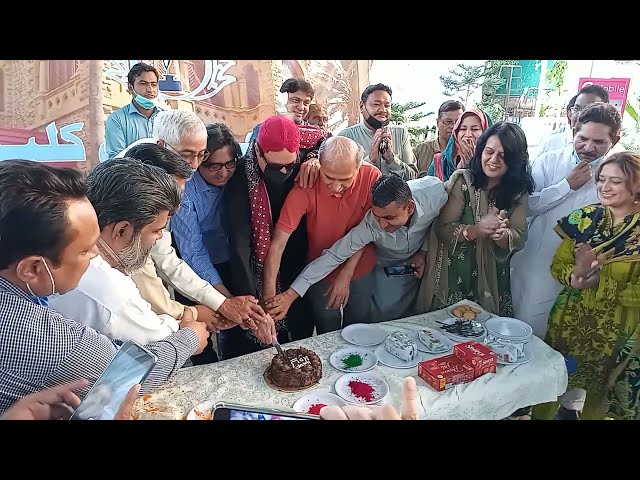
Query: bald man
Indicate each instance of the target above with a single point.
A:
(333, 206)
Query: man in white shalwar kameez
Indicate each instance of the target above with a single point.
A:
(565, 181)
(563, 137)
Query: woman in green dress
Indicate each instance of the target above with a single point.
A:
(482, 224)
(595, 318)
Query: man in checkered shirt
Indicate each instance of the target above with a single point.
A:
(48, 234)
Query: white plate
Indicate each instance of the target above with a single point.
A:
(304, 403)
(423, 348)
(509, 328)
(363, 334)
(202, 411)
(379, 384)
(528, 355)
(458, 338)
(394, 362)
(481, 317)
(369, 359)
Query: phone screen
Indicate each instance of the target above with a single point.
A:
(245, 415)
(399, 270)
(238, 413)
(130, 366)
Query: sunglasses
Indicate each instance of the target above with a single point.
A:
(277, 166)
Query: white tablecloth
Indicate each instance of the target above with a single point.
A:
(240, 380)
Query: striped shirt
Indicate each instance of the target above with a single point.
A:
(39, 348)
(198, 231)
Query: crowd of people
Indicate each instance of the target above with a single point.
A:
(180, 241)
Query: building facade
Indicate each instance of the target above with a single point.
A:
(240, 93)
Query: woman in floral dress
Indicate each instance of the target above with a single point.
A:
(482, 224)
(595, 318)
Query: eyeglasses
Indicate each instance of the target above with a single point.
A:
(448, 123)
(189, 157)
(216, 167)
(576, 109)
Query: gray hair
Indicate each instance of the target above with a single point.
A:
(125, 189)
(336, 149)
(173, 126)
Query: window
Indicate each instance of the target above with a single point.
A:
(60, 72)
(1, 90)
(253, 86)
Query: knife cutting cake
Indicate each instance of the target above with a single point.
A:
(298, 368)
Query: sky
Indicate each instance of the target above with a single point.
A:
(416, 80)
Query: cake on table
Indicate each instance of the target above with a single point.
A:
(401, 346)
(299, 368)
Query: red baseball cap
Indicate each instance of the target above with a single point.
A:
(279, 133)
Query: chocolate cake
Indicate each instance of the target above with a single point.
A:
(298, 369)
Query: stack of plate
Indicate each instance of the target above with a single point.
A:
(510, 329)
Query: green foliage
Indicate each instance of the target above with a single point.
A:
(401, 115)
(556, 75)
(400, 112)
(462, 79)
(491, 103)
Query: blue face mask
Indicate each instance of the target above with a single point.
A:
(44, 301)
(145, 102)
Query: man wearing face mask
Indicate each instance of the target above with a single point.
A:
(48, 234)
(300, 93)
(135, 120)
(133, 202)
(252, 204)
(563, 183)
(337, 203)
(386, 146)
(397, 225)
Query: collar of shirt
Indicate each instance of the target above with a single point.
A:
(324, 189)
(367, 129)
(7, 286)
(201, 186)
(133, 110)
(594, 163)
(417, 214)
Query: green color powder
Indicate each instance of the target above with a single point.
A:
(352, 361)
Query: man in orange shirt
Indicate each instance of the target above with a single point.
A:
(333, 206)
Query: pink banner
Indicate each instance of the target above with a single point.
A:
(618, 89)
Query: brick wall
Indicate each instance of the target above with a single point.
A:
(21, 77)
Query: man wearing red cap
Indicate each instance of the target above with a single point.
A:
(337, 203)
(253, 199)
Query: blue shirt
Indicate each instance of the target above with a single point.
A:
(125, 126)
(198, 231)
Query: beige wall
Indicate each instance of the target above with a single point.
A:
(29, 103)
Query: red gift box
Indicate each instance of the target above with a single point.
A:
(480, 357)
(445, 372)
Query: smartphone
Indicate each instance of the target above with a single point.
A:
(398, 270)
(230, 411)
(130, 366)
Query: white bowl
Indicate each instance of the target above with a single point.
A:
(509, 329)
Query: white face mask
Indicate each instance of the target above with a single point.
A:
(53, 283)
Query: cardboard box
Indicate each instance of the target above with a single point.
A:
(445, 372)
(480, 357)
